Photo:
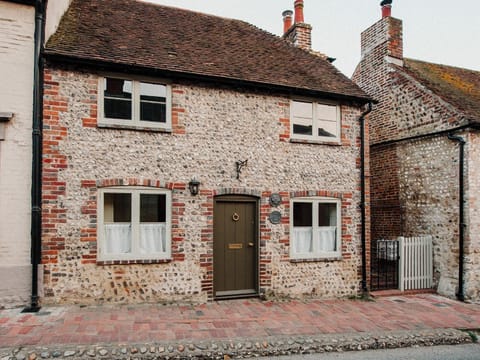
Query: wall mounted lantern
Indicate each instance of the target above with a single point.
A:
(193, 186)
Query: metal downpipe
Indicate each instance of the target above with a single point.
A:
(461, 226)
(36, 193)
(363, 204)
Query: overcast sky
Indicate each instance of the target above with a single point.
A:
(440, 31)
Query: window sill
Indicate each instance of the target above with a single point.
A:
(316, 142)
(134, 127)
(322, 259)
(133, 262)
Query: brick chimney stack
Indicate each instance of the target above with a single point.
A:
(386, 8)
(299, 18)
(287, 20)
(382, 45)
(300, 34)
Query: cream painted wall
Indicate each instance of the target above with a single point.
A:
(55, 11)
(16, 89)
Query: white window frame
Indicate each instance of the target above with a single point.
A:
(316, 121)
(135, 122)
(317, 253)
(135, 216)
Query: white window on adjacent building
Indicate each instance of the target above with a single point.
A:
(134, 103)
(315, 228)
(134, 224)
(315, 121)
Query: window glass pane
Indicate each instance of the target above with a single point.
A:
(302, 240)
(302, 118)
(117, 208)
(117, 99)
(327, 214)
(327, 112)
(302, 129)
(152, 208)
(117, 218)
(152, 223)
(327, 128)
(302, 214)
(153, 102)
(302, 109)
(327, 238)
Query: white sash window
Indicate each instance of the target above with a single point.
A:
(315, 121)
(134, 103)
(134, 224)
(315, 228)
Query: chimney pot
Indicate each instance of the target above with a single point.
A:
(386, 8)
(299, 18)
(287, 20)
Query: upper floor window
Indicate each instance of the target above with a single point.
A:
(134, 224)
(315, 228)
(134, 103)
(315, 121)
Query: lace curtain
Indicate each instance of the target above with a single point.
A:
(152, 238)
(118, 238)
(325, 240)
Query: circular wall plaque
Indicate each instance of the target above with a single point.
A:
(275, 217)
(275, 199)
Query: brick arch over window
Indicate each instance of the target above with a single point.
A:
(154, 183)
(89, 208)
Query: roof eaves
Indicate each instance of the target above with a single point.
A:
(136, 69)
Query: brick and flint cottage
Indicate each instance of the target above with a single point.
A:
(189, 157)
(424, 147)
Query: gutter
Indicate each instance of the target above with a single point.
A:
(36, 217)
(461, 222)
(363, 204)
(422, 136)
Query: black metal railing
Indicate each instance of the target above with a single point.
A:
(384, 264)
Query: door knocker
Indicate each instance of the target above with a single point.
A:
(235, 217)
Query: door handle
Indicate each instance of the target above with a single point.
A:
(251, 244)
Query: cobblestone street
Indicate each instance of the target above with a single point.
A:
(235, 328)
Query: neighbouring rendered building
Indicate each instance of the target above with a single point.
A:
(22, 24)
(17, 27)
(423, 139)
(188, 157)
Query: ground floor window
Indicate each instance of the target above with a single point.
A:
(315, 228)
(134, 224)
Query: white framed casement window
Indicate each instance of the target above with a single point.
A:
(134, 103)
(134, 223)
(315, 228)
(315, 121)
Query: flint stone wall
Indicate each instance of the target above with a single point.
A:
(213, 127)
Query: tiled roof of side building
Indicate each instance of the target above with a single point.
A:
(457, 86)
(146, 35)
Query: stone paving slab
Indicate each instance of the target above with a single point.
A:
(65, 330)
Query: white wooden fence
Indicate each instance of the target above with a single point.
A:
(416, 263)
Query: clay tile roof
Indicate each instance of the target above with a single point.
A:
(146, 35)
(457, 86)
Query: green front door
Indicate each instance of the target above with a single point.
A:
(235, 246)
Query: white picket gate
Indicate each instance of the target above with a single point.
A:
(416, 263)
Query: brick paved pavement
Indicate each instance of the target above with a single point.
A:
(253, 318)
